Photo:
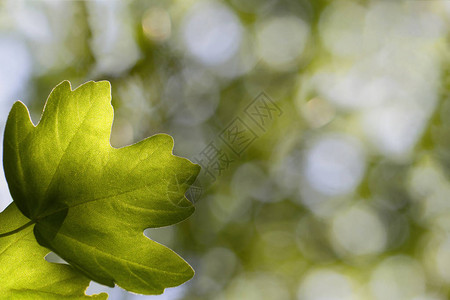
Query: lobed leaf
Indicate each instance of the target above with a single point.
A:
(91, 202)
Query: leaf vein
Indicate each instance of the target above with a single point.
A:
(119, 258)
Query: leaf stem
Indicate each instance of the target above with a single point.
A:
(18, 229)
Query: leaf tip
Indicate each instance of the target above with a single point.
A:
(63, 85)
(19, 113)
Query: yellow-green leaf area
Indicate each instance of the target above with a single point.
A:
(90, 201)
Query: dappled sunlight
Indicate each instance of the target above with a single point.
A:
(281, 41)
(351, 227)
(334, 164)
(326, 284)
(212, 33)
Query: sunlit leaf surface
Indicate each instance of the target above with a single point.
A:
(24, 272)
(91, 202)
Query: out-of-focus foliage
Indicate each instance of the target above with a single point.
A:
(338, 184)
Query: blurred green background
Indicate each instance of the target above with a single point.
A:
(343, 193)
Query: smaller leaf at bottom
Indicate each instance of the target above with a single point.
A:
(25, 274)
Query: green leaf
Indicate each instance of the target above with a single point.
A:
(91, 202)
(24, 272)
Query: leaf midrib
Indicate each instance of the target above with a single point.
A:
(108, 197)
